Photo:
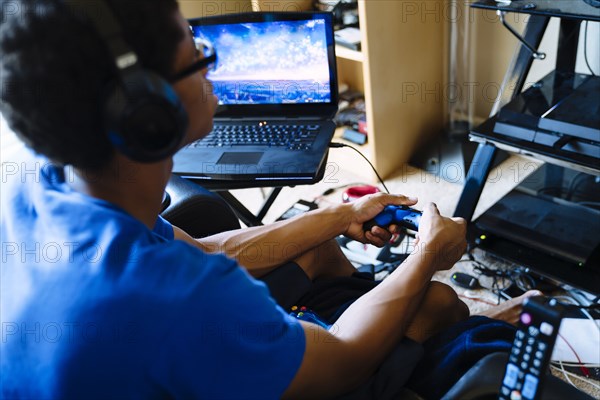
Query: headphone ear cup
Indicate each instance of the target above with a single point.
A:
(145, 119)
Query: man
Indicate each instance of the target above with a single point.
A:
(102, 298)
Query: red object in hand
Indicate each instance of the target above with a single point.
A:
(356, 192)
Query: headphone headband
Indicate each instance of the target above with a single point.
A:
(106, 25)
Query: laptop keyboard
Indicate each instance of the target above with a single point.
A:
(292, 137)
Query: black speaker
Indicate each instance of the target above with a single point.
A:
(143, 116)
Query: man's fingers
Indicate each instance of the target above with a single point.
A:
(459, 220)
(399, 200)
(406, 200)
(375, 240)
(381, 233)
(432, 208)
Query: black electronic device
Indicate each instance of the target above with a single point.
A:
(274, 121)
(532, 347)
(300, 207)
(557, 117)
(549, 224)
(511, 292)
(464, 280)
(353, 136)
(143, 116)
(569, 9)
(348, 37)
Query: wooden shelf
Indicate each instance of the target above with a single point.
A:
(403, 71)
(348, 54)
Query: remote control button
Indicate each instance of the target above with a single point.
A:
(539, 354)
(505, 391)
(530, 386)
(520, 334)
(542, 346)
(546, 328)
(515, 395)
(523, 365)
(518, 343)
(528, 349)
(526, 357)
(526, 318)
(533, 331)
(511, 376)
(537, 363)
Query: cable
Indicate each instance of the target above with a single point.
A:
(575, 182)
(564, 373)
(585, 49)
(572, 364)
(583, 369)
(572, 375)
(574, 304)
(335, 145)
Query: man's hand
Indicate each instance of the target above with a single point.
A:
(444, 237)
(365, 209)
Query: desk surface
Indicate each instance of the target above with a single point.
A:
(572, 9)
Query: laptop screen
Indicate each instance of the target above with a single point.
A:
(277, 60)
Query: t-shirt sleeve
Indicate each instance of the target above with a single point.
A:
(164, 229)
(231, 340)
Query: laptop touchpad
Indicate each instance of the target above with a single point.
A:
(248, 158)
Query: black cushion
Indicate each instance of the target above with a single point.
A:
(196, 210)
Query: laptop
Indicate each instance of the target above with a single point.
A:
(276, 82)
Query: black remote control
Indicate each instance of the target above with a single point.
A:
(530, 354)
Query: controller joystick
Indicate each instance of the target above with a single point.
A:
(403, 216)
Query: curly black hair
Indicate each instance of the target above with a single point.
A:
(55, 69)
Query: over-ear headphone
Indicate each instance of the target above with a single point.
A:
(144, 118)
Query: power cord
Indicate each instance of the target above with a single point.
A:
(335, 145)
(501, 278)
(585, 49)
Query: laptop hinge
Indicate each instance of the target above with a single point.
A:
(259, 118)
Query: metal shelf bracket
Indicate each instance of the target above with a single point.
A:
(536, 54)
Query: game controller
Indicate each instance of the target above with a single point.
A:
(304, 314)
(403, 216)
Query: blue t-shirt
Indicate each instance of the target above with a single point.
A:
(95, 305)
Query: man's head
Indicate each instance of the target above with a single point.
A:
(56, 72)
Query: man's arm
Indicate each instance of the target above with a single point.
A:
(340, 360)
(261, 249)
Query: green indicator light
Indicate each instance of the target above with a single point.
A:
(482, 237)
(580, 264)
